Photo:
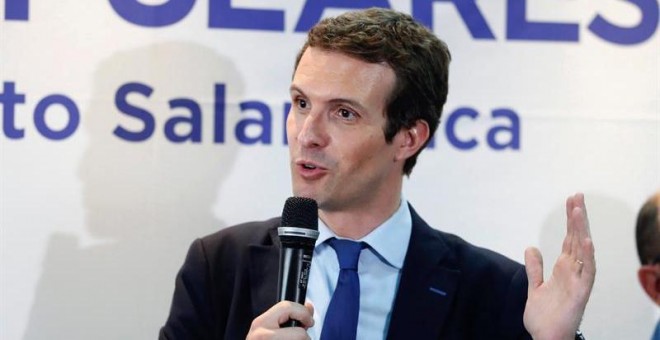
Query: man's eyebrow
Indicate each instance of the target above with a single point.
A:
(294, 88)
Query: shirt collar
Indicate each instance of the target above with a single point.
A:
(389, 241)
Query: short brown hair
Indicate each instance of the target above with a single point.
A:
(647, 231)
(419, 59)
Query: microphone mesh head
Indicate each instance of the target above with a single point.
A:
(300, 212)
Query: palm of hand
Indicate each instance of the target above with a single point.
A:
(555, 306)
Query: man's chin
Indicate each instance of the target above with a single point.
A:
(308, 193)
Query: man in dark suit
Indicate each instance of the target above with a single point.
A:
(367, 95)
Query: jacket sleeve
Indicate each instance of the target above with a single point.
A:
(511, 322)
(191, 311)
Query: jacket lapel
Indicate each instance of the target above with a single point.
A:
(427, 286)
(264, 269)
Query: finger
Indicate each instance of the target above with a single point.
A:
(280, 313)
(569, 240)
(580, 223)
(580, 202)
(310, 308)
(569, 206)
(290, 333)
(576, 221)
(589, 270)
(566, 245)
(578, 199)
(295, 311)
(534, 268)
(585, 252)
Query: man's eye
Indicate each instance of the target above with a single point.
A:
(346, 114)
(302, 103)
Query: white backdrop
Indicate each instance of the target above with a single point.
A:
(93, 226)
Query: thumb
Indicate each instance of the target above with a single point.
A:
(310, 306)
(534, 268)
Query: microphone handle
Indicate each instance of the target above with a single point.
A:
(294, 275)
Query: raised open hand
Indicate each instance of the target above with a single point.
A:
(555, 306)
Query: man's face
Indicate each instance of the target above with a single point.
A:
(339, 156)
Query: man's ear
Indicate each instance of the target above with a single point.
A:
(649, 278)
(410, 140)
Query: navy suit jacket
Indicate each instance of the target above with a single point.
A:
(449, 289)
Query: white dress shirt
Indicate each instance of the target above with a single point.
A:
(379, 269)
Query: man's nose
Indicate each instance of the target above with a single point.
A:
(313, 130)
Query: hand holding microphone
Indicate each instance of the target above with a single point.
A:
(298, 233)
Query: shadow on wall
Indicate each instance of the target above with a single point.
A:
(617, 308)
(146, 200)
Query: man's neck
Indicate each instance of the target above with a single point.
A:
(357, 223)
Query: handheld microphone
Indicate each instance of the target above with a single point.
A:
(297, 234)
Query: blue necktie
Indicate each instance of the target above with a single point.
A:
(341, 319)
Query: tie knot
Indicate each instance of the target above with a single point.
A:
(348, 252)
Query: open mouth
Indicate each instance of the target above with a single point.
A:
(308, 166)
